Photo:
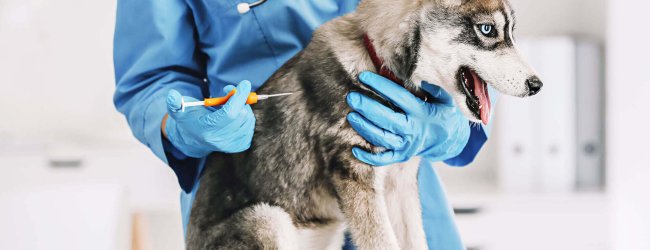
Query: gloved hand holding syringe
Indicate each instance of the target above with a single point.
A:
(200, 130)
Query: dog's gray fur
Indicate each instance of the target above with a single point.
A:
(300, 175)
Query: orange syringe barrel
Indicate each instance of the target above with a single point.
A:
(210, 102)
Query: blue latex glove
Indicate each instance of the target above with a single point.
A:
(198, 131)
(437, 131)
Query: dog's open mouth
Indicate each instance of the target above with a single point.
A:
(478, 98)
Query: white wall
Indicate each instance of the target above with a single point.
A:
(56, 72)
(560, 17)
(628, 118)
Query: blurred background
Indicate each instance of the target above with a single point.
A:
(565, 169)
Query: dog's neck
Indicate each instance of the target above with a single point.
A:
(390, 31)
(384, 71)
(360, 47)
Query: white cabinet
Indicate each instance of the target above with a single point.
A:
(149, 183)
(73, 216)
(81, 198)
(538, 222)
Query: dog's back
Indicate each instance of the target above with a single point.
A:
(292, 157)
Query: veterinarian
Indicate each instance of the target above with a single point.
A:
(168, 48)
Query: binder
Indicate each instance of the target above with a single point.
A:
(591, 116)
(552, 142)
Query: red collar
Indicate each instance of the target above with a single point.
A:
(385, 72)
(379, 64)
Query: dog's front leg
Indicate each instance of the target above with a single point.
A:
(403, 204)
(359, 188)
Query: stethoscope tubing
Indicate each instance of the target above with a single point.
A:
(258, 3)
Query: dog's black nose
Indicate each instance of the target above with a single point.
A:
(534, 85)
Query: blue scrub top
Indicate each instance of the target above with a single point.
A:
(199, 46)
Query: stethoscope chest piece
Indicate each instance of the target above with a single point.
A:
(244, 8)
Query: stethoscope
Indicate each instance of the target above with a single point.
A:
(243, 8)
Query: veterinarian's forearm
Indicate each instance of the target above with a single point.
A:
(147, 65)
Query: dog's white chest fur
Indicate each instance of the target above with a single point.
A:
(330, 237)
(397, 185)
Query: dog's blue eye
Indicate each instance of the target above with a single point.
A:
(488, 30)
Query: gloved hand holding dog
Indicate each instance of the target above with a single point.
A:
(198, 131)
(437, 131)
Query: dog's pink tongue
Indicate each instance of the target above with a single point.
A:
(480, 90)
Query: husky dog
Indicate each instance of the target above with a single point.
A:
(299, 186)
